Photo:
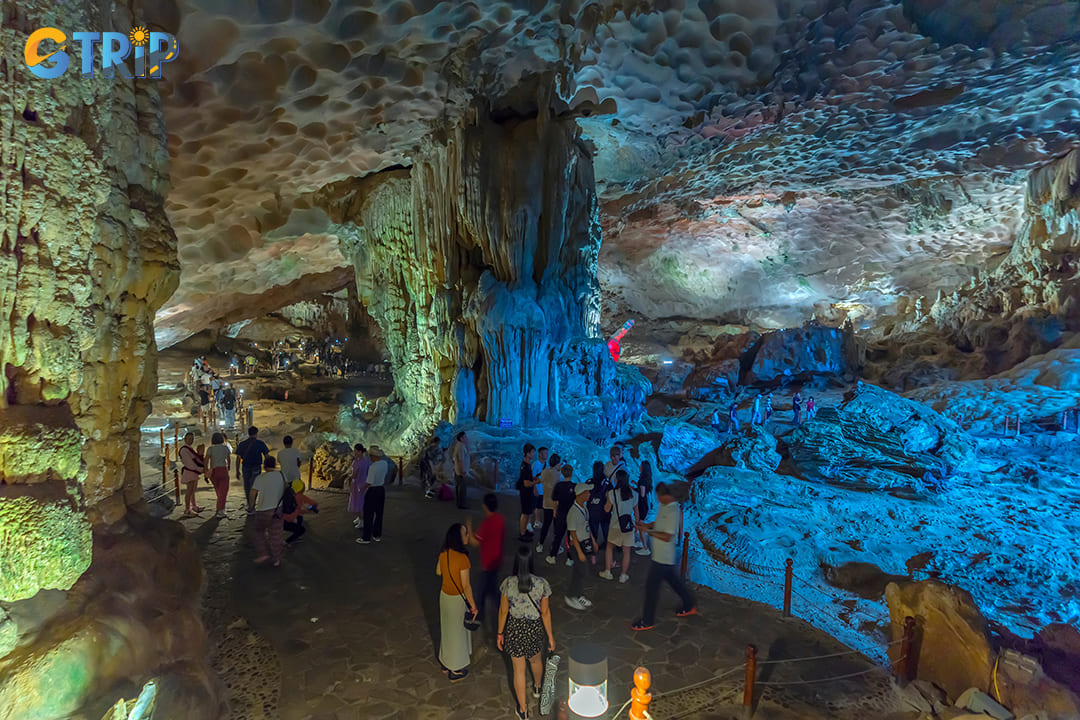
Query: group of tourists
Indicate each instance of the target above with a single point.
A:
(217, 397)
(762, 411)
(588, 521)
(273, 490)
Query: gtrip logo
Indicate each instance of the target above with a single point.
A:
(148, 51)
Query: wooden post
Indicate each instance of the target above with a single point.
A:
(176, 435)
(310, 473)
(1006, 424)
(640, 697)
(164, 464)
(751, 674)
(176, 483)
(162, 441)
(685, 553)
(905, 667)
(251, 415)
(1017, 426)
(789, 572)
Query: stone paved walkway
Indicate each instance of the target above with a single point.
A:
(343, 631)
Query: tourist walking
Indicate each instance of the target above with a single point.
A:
(228, 406)
(253, 453)
(264, 501)
(755, 416)
(549, 477)
(288, 460)
(462, 463)
(526, 492)
(811, 408)
(664, 532)
(218, 464)
(582, 544)
(455, 600)
(428, 458)
(489, 538)
(796, 408)
(645, 494)
(194, 466)
(563, 496)
(716, 422)
(525, 625)
(733, 418)
(358, 483)
(622, 506)
(768, 407)
(375, 497)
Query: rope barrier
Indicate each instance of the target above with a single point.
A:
(834, 678)
(165, 489)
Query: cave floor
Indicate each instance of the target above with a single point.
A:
(344, 631)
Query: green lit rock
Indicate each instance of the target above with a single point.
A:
(39, 443)
(43, 544)
(9, 633)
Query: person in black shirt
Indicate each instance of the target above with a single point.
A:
(564, 497)
(598, 518)
(526, 492)
(252, 453)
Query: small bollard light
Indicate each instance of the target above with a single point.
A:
(588, 681)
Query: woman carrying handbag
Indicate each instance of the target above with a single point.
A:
(525, 625)
(457, 609)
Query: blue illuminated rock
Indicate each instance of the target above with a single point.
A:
(800, 354)
(877, 439)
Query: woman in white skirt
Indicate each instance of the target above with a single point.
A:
(524, 621)
(621, 503)
(455, 600)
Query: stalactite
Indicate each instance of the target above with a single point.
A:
(480, 266)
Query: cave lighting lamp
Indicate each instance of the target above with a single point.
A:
(588, 680)
(667, 362)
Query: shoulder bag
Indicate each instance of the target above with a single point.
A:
(626, 520)
(471, 621)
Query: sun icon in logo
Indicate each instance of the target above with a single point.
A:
(139, 36)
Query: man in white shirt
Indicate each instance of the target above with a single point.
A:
(461, 470)
(265, 501)
(664, 532)
(289, 460)
(582, 543)
(375, 497)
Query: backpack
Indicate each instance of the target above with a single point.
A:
(288, 499)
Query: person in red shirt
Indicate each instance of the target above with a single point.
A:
(489, 538)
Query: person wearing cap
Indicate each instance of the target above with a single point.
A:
(582, 543)
(375, 497)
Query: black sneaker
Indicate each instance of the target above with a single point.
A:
(522, 714)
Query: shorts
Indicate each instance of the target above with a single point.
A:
(528, 501)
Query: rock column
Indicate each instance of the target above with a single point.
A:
(479, 264)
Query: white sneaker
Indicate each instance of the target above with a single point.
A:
(575, 603)
(606, 574)
(220, 514)
(642, 551)
(539, 547)
(357, 521)
(624, 579)
(585, 601)
(569, 562)
(549, 560)
(378, 539)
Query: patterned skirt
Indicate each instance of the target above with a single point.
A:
(523, 637)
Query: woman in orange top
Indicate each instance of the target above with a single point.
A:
(455, 599)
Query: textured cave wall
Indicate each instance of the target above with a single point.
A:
(86, 258)
(479, 265)
(1026, 303)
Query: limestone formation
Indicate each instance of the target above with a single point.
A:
(480, 271)
(878, 439)
(332, 465)
(87, 256)
(951, 647)
(800, 354)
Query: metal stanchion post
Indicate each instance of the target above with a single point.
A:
(751, 674)
(788, 574)
(640, 697)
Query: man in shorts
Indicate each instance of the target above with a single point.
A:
(526, 485)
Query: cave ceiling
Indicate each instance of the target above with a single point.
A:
(757, 162)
